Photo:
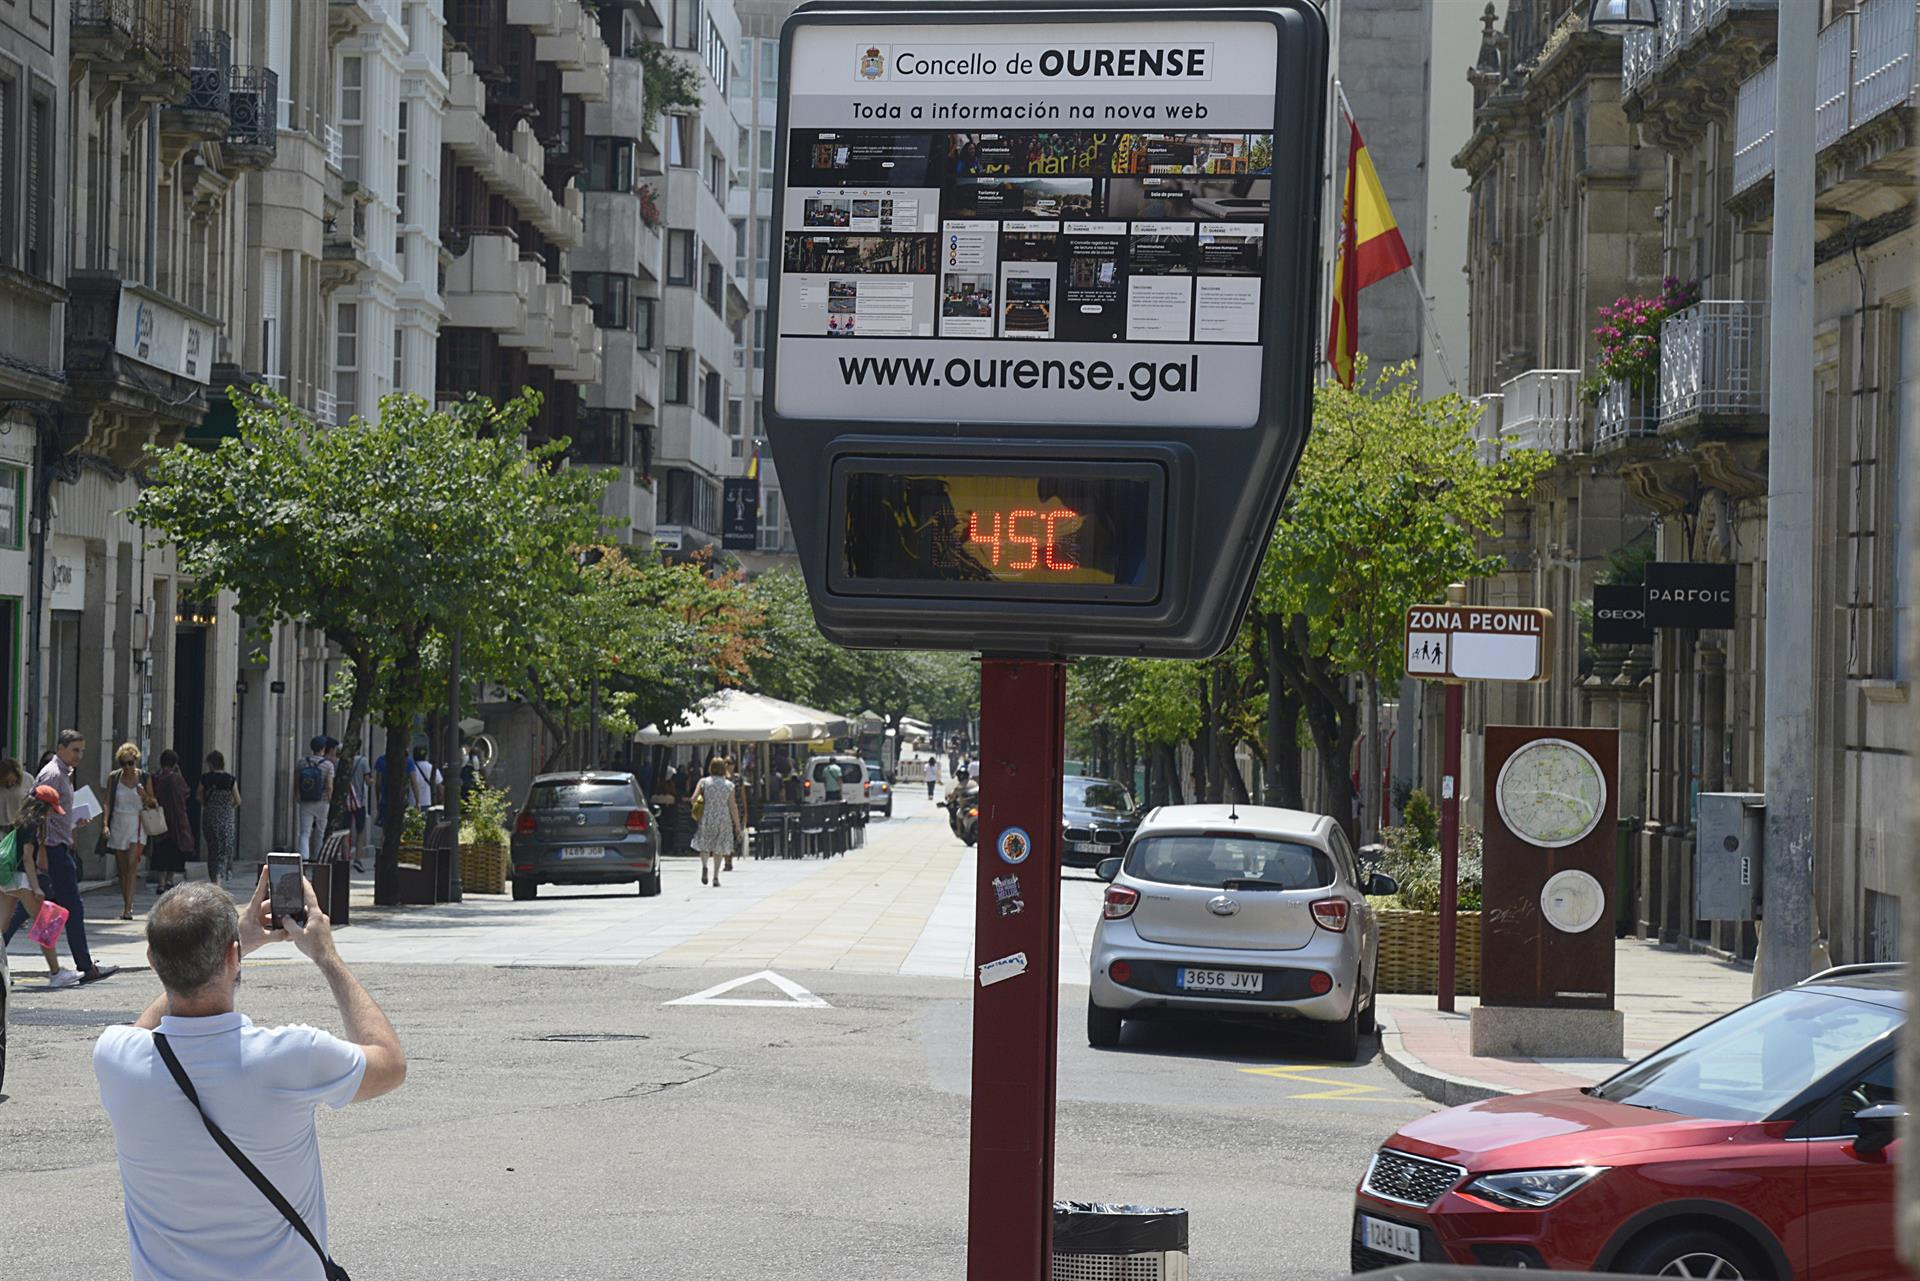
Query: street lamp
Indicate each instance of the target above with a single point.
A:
(1620, 17)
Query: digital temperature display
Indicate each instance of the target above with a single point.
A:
(1072, 530)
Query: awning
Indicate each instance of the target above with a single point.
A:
(735, 716)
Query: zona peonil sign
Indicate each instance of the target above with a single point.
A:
(1479, 643)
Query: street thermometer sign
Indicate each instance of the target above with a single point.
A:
(1042, 312)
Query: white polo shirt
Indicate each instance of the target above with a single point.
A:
(191, 1214)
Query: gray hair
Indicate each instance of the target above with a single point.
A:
(68, 737)
(188, 933)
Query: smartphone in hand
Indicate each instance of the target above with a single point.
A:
(286, 890)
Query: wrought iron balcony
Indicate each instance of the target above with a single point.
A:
(1623, 412)
(1541, 410)
(1868, 64)
(212, 73)
(253, 133)
(142, 43)
(1713, 360)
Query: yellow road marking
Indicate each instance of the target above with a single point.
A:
(1299, 1073)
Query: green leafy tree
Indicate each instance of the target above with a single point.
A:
(1384, 512)
(387, 533)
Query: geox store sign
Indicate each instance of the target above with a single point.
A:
(1685, 594)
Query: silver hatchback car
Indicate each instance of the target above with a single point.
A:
(1237, 912)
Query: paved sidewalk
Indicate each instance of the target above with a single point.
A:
(1663, 993)
(903, 904)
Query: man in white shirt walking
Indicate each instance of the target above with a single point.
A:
(191, 1212)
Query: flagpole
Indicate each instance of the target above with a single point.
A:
(1413, 271)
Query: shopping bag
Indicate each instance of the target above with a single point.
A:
(46, 927)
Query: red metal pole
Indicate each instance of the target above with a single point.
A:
(1450, 839)
(1016, 995)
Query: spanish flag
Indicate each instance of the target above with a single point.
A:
(1370, 250)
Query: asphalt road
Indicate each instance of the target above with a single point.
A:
(565, 1122)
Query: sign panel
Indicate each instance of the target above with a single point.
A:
(1040, 239)
(1550, 847)
(1685, 594)
(1479, 643)
(1028, 219)
(1620, 615)
(154, 332)
(740, 513)
(67, 576)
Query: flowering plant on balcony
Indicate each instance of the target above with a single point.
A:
(649, 205)
(1629, 335)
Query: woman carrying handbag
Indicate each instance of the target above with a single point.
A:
(172, 848)
(132, 816)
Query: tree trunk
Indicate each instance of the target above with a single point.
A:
(386, 863)
(361, 705)
(1370, 763)
(1172, 788)
(405, 690)
(1228, 784)
(1331, 717)
(1283, 722)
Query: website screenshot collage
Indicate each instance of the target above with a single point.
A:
(1074, 236)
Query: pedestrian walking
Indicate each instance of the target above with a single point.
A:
(424, 780)
(740, 791)
(22, 892)
(13, 789)
(59, 871)
(931, 768)
(173, 847)
(718, 831)
(129, 795)
(357, 771)
(313, 794)
(219, 808)
(204, 1103)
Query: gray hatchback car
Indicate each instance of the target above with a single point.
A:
(585, 829)
(1237, 912)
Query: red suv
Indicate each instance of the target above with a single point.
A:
(1760, 1146)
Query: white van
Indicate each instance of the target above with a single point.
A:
(854, 783)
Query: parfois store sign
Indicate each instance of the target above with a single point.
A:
(1686, 594)
(1620, 615)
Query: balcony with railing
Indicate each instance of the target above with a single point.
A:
(1678, 69)
(483, 284)
(145, 46)
(1541, 410)
(326, 407)
(517, 173)
(204, 113)
(1713, 362)
(253, 118)
(1867, 66)
(1486, 430)
(1623, 413)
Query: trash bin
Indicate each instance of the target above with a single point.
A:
(1094, 1241)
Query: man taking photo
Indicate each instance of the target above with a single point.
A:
(191, 1213)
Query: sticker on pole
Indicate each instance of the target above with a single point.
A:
(1003, 969)
(1014, 846)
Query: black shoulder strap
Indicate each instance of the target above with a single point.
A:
(334, 1271)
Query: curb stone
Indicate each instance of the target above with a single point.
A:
(1443, 1088)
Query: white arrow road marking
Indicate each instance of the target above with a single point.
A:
(796, 996)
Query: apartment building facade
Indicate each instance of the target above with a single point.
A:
(336, 202)
(1676, 466)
